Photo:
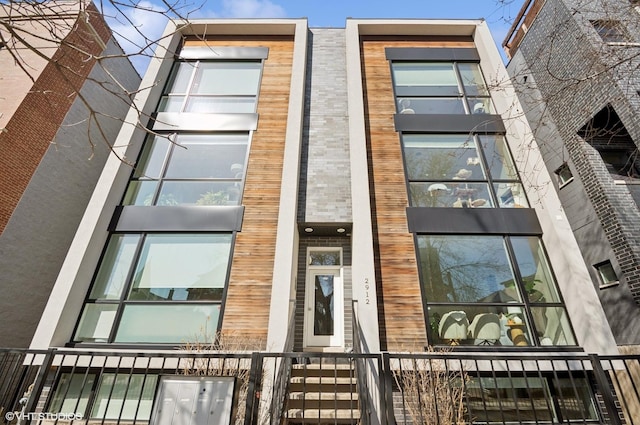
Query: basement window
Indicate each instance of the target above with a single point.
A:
(564, 175)
(607, 274)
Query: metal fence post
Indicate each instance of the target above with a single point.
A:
(387, 390)
(39, 383)
(253, 390)
(603, 383)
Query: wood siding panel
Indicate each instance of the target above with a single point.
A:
(402, 323)
(246, 311)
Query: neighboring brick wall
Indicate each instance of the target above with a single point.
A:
(325, 163)
(52, 180)
(569, 63)
(34, 124)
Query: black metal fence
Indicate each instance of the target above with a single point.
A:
(64, 386)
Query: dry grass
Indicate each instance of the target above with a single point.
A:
(240, 368)
(432, 390)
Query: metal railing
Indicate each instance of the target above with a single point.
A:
(364, 390)
(62, 386)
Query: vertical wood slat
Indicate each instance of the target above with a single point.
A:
(402, 322)
(248, 299)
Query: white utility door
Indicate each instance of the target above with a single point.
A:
(194, 401)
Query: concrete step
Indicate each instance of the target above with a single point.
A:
(324, 380)
(337, 370)
(322, 384)
(326, 400)
(323, 416)
(323, 396)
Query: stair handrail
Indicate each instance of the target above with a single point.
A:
(361, 371)
(283, 371)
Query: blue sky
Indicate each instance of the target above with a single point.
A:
(323, 13)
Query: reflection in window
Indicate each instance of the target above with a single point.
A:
(490, 290)
(170, 289)
(607, 274)
(213, 87)
(451, 170)
(440, 88)
(190, 169)
(325, 258)
(124, 397)
(564, 175)
(72, 393)
(610, 31)
(117, 396)
(323, 318)
(554, 399)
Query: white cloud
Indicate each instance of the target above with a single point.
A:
(251, 9)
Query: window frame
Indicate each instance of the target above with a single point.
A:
(526, 307)
(189, 94)
(120, 303)
(137, 179)
(610, 31)
(489, 181)
(463, 96)
(551, 385)
(92, 380)
(602, 279)
(560, 175)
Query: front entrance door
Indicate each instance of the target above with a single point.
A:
(324, 299)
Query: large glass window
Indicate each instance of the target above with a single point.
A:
(491, 290)
(461, 170)
(440, 88)
(114, 396)
(213, 87)
(538, 399)
(157, 288)
(190, 169)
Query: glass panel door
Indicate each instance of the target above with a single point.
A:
(324, 304)
(324, 312)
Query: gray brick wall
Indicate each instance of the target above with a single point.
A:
(35, 241)
(563, 56)
(325, 169)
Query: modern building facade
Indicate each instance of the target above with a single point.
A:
(319, 202)
(47, 136)
(574, 65)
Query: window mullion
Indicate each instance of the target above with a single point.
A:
(126, 288)
(523, 294)
(196, 69)
(461, 92)
(487, 171)
(173, 140)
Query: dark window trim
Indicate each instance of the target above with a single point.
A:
(432, 54)
(558, 172)
(601, 283)
(473, 221)
(190, 218)
(449, 123)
